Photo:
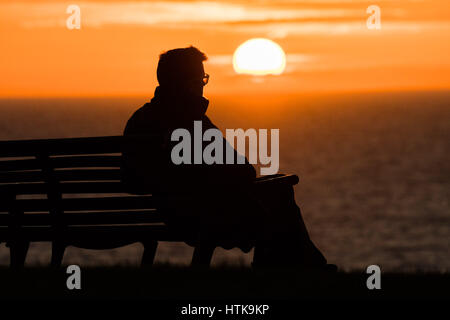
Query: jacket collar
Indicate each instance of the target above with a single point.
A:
(180, 103)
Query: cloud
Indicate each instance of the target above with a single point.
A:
(220, 59)
(275, 19)
(294, 61)
(281, 30)
(164, 13)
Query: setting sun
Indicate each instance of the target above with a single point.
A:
(259, 56)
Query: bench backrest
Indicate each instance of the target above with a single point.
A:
(70, 181)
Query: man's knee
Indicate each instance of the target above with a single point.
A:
(282, 195)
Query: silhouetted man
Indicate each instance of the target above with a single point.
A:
(216, 203)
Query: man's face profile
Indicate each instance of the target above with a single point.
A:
(181, 72)
(194, 86)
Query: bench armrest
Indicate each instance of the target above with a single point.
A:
(277, 179)
(261, 183)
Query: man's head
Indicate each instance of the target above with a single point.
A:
(182, 70)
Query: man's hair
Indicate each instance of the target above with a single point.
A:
(179, 65)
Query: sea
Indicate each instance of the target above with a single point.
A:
(374, 170)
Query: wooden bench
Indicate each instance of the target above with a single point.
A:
(69, 192)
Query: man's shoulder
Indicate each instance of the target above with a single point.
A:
(139, 120)
(146, 108)
(207, 123)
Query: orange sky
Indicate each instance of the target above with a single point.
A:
(327, 44)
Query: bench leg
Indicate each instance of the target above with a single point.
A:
(149, 253)
(18, 252)
(202, 255)
(57, 254)
(258, 257)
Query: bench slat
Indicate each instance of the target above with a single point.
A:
(92, 234)
(92, 187)
(61, 175)
(85, 161)
(87, 174)
(114, 187)
(74, 146)
(87, 218)
(62, 162)
(64, 188)
(19, 164)
(73, 204)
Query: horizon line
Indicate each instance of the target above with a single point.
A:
(251, 93)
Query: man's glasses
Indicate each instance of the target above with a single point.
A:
(205, 79)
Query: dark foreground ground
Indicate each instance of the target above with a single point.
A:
(216, 284)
